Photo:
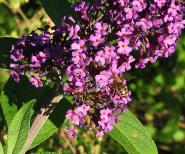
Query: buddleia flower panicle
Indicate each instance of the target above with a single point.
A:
(94, 51)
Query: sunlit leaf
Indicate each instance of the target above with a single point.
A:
(13, 96)
(19, 127)
(53, 123)
(1, 149)
(131, 134)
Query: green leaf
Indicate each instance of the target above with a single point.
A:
(5, 47)
(9, 110)
(1, 149)
(57, 9)
(47, 130)
(19, 127)
(14, 94)
(53, 123)
(131, 134)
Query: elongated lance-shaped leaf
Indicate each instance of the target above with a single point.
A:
(46, 131)
(131, 134)
(53, 123)
(42, 117)
(9, 110)
(15, 93)
(1, 149)
(5, 47)
(57, 9)
(19, 127)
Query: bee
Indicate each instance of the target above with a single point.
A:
(124, 91)
(113, 88)
(92, 110)
(119, 87)
(90, 103)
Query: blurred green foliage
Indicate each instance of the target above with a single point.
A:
(158, 91)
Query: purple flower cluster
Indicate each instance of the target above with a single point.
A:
(94, 52)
